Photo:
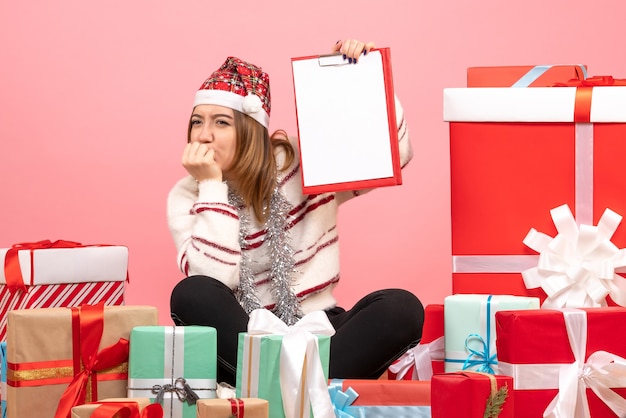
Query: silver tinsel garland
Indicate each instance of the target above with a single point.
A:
(282, 264)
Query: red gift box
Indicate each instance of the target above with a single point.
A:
(466, 394)
(515, 155)
(381, 398)
(524, 75)
(49, 274)
(540, 351)
(428, 355)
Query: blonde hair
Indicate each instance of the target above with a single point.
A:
(254, 164)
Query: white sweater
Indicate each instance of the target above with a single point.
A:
(205, 228)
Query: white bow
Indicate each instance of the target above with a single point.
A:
(601, 372)
(576, 268)
(302, 382)
(421, 356)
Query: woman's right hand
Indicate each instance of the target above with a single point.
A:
(352, 49)
(198, 160)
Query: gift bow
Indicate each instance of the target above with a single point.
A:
(181, 388)
(341, 400)
(127, 410)
(420, 356)
(576, 268)
(87, 328)
(584, 91)
(601, 372)
(483, 358)
(12, 269)
(302, 382)
(601, 80)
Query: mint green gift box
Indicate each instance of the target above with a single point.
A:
(170, 360)
(258, 368)
(470, 329)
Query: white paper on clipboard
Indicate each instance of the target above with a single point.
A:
(347, 137)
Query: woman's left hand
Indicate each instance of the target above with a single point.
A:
(352, 49)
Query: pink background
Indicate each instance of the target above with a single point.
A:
(95, 96)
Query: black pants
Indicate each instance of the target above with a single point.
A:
(369, 337)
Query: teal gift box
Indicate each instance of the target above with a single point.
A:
(259, 368)
(173, 365)
(470, 329)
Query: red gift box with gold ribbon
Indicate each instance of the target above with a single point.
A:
(47, 274)
(518, 153)
(58, 358)
(470, 394)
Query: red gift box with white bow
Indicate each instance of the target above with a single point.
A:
(426, 358)
(518, 153)
(565, 363)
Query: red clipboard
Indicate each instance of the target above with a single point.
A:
(346, 119)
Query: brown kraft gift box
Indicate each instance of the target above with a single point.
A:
(43, 356)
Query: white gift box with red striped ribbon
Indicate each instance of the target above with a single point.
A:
(64, 277)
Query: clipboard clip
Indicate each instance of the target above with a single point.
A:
(331, 60)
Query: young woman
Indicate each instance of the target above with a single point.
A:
(248, 238)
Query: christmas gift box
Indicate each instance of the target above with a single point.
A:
(565, 363)
(524, 75)
(174, 366)
(426, 358)
(470, 329)
(517, 153)
(380, 398)
(233, 408)
(119, 407)
(48, 274)
(286, 365)
(58, 358)
(472, 395)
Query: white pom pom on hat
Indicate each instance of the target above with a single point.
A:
(238, 85)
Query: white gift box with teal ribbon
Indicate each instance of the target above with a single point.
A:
(286, 365)
(470, 329)
(173, 365)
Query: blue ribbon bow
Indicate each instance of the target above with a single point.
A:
(341, 400)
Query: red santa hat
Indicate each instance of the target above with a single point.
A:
(238, 85)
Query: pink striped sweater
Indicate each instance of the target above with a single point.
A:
(205, 229)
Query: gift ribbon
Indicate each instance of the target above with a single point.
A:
(577, 267)
(341, 399)
(123, 409)
(87, 328)
(484, 358)
(536, 72)
(12, 269)
(344, 407)
(183, 391)
(420, 358)
(237, 407)
(302, 382)
(583, 193)
(493, 405)
(601, 372)
(173, 383)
